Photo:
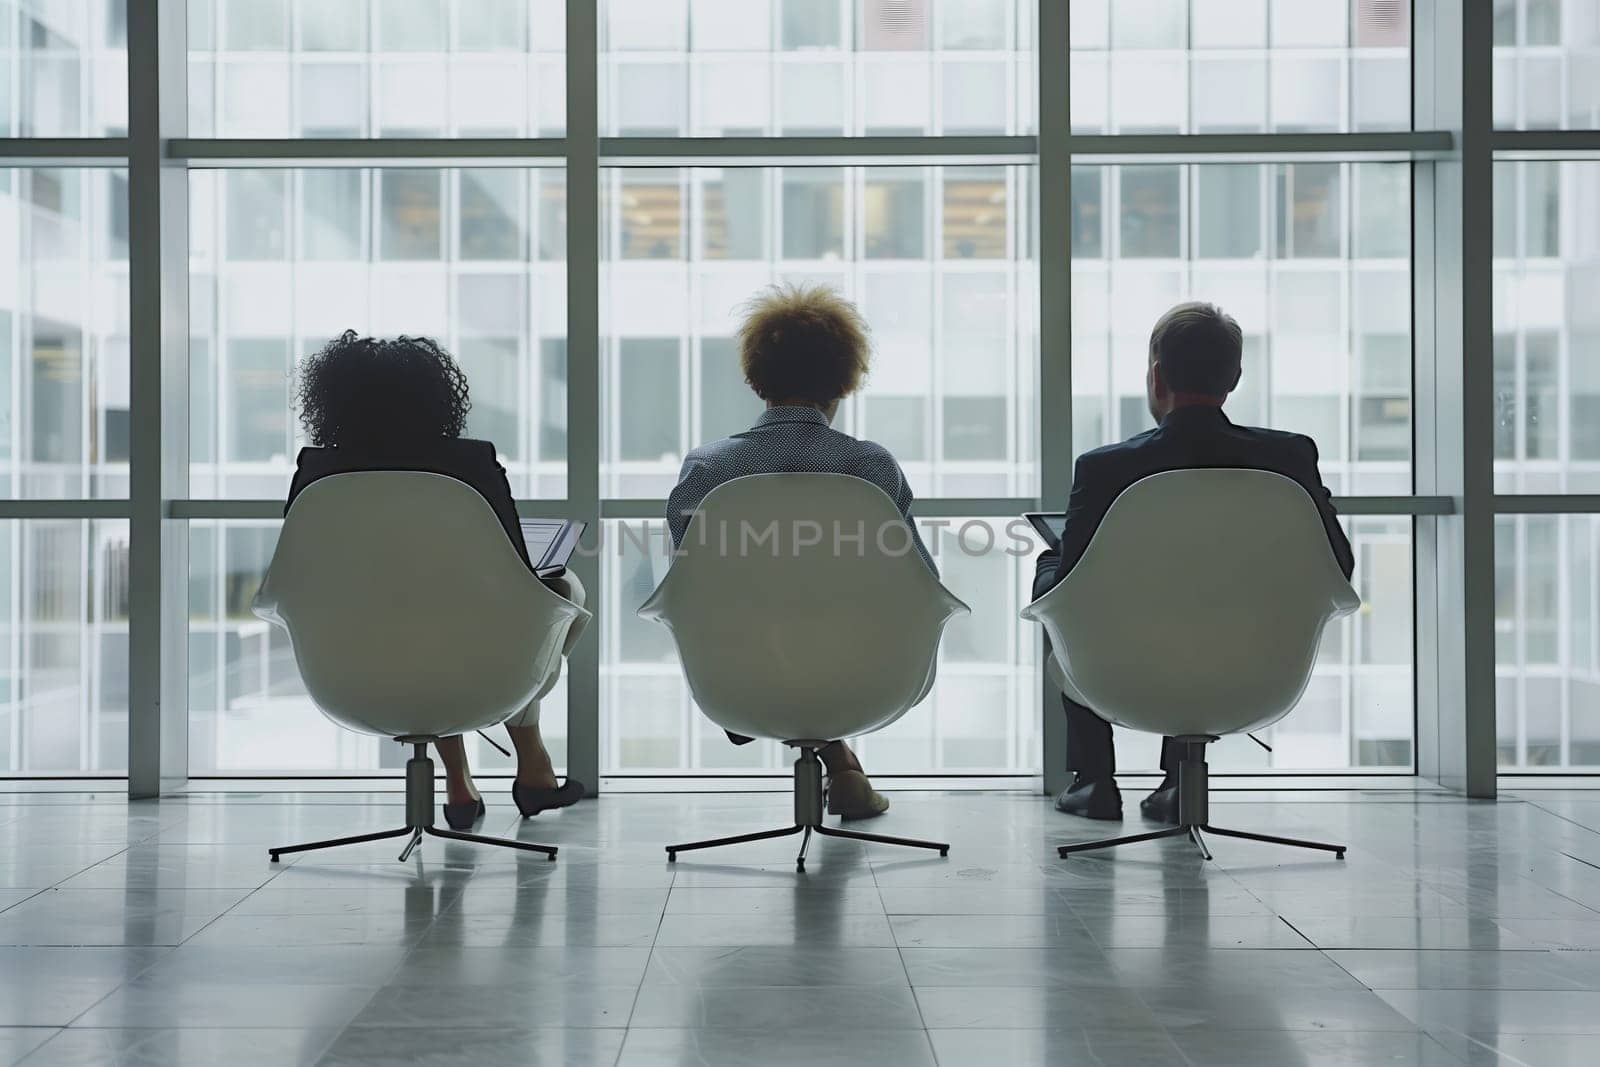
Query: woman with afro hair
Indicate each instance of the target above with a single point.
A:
(803, 349)
(373, 404)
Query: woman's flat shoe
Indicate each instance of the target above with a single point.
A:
(461, 816)
(531, 801)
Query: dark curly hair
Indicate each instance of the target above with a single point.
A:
(363, 389)
(803, 342)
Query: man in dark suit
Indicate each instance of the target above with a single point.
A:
(1196, 353)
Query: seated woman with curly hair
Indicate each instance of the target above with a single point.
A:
(803, 349)
(370, 404)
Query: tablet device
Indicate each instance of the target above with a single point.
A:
(551, 543)
(1049, 524)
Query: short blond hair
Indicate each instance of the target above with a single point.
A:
(803, 342)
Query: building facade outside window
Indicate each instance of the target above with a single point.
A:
(1312, 252)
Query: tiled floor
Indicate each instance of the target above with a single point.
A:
(152, 933)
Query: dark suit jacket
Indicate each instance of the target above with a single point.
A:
(463, 459)
(1191, 437)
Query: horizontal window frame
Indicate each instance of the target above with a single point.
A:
(272, 152)
(766, 151)
(931, 507)
(64, 151)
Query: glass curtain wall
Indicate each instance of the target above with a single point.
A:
(1312, 257)
(1547, 389)
(904, 169)
(64, 399)
(283, 260)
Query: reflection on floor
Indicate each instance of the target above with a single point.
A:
(159, 933)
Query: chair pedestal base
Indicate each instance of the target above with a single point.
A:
(808, 809)
(1194, 815)
(419, 819)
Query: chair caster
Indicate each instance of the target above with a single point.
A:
(944, 853)
(800, 865)
(672, 857)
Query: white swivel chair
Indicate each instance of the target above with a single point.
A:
(411, 616)
(1197, 611)
(803, 614)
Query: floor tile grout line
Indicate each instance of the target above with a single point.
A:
(30, 896)
(1556, 815)
(638, 990)
(1496, 1052)
(1173, 1041)
(1310, 943)
(31, 1053)
(57, 885)
(1327, 954)
(114, 990)
(899, 951)
(1586, 863)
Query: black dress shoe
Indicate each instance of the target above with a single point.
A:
(461, 816)
(1162, 805)
(531, 801)
(1091, 798)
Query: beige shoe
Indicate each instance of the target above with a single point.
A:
(851, 796)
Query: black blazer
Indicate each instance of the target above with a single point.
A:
(463, 459)
(1191, 437)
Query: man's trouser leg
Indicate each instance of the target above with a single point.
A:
(1089, 749)
(1171, 755)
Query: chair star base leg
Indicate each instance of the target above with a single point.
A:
(823, 831)
(548, 851)
(312, 846)
(716, 842)
(419, 816)
(883, 839)
(1194, 811)
(415, 834)
(1112, 842)
(1293, 842)
(809, 804)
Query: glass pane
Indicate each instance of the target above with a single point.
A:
(981, 717)
(283, 260)
(1240, 66)
(933, 256)
(711, 68)
(63, 333)
(248, 710)
(63, 68)
(1547, 64)
(1547, 327)
(1547, 663)
(813, 213)
(376, 68)
(1322, 292)
(64, 649)
(893, 214)
(1228, 219)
